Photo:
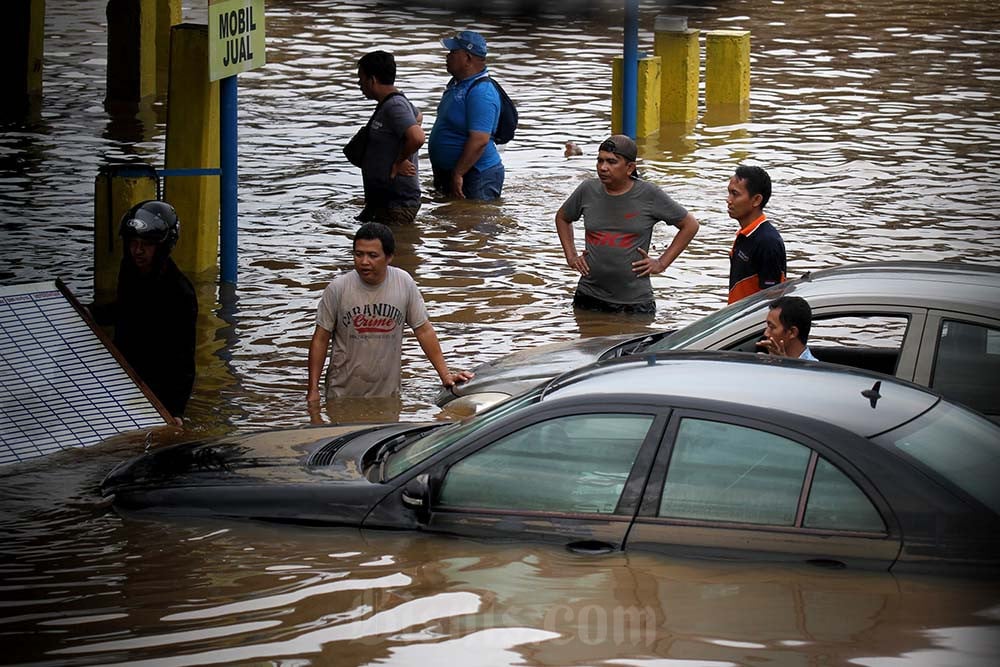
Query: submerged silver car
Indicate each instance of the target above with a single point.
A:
(935, 324)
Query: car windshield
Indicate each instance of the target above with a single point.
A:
(957, 444)
(420, 449)
(705, 326)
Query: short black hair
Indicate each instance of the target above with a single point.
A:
(376, 230)
(379, 64)
(757, 182)
(795, 312)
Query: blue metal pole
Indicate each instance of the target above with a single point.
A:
(630, 67)
(228, 190)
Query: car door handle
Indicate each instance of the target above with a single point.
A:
(827, 563)
(591, 547)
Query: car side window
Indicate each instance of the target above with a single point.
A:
(872, 341)
(731, 473)
(724, 472)
(573, 464)
(967, 365)
(836, 503)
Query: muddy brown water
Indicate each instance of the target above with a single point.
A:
(878, 122)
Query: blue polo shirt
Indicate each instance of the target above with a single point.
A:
(463, 109)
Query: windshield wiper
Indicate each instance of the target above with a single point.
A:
(645, 342)
(396, 443)
(385, 449)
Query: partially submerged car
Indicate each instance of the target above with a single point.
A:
(719, 455)
(936, 324)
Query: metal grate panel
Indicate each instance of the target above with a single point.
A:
(60, 385)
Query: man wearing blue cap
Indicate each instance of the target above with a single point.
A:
(463, 154)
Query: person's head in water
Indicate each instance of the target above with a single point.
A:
(748, 192)
(786, 329)
(149, 232)
(374, 246)
(379, 64)
(377, 68)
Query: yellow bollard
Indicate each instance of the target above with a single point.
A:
(21, 75)
(36, 49)
(168, 14)
(677, 48)
(131, 70)
(727, 67)
(647, 113)
(117, 188)
(193, 143)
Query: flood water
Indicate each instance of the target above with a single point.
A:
(879, 123)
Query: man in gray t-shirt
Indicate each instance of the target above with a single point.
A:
(619, 212)
(389, 168)
(364, 311)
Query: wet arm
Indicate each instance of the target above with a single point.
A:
(564, 227)
(429, 343)
(475, 144)
(686, 229)
(412, 141)
(318, 350)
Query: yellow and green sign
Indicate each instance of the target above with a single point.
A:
(235, 37)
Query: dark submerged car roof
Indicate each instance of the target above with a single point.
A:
(837, 395)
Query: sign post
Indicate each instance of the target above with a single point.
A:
(235, 44)
(630, 68)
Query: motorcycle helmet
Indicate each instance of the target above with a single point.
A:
(154, 221)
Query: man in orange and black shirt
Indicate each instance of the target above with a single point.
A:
(757, 259)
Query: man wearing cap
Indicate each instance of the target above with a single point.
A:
(463, 155)
(619, 211)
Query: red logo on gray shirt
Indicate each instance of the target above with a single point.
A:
(374, 318)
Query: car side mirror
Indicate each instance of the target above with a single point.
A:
(417, 495)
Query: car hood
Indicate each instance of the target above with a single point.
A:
(309, 474)
(514, 373)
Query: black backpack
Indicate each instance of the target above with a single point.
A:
(507, 124)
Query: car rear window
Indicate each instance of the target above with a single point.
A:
(967, 365)
(957, 444)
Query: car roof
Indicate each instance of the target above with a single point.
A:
(826, 392)
(941, 285)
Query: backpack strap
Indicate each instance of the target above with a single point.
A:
(507, 120)
(379, 105)
(478, 81)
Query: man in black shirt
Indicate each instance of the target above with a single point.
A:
(156, 308)
(757, 259)
(389, 167)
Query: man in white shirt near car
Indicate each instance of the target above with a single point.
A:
(363, 311)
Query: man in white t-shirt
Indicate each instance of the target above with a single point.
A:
(364, 311)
